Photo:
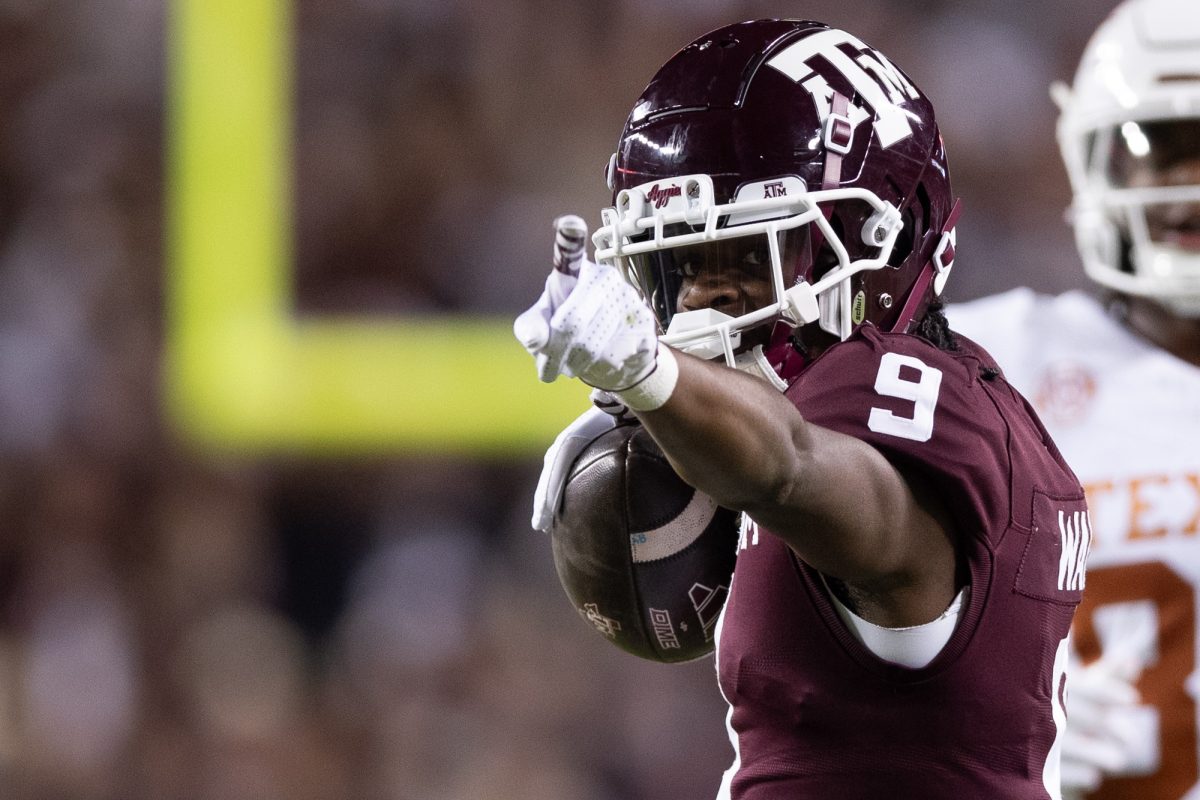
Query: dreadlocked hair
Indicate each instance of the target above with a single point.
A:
(935, 328)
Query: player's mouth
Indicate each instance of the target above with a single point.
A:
(1183, 241)
(1179, 238)
(1176, 226)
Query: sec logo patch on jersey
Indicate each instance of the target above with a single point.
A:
(1064, 393)
(645, 559)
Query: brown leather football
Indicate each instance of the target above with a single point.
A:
(644, 558)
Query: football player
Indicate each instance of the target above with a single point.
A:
(1117, 381)
(912, 547)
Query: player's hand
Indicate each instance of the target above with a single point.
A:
(607, 413)
(589, 323)
(532, 328)
(1098, 740)
(559, 458)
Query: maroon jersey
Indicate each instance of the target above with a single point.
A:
(814, 713)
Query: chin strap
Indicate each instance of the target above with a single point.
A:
(785, 360)
(755, 363)
(838, 137)
(778, 362)
(938, 265)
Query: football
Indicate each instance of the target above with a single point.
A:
(645, 559)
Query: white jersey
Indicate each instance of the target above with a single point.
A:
(1126, 415)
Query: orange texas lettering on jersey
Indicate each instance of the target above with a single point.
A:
(1146, 507)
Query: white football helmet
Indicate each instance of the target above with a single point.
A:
(1130, 136)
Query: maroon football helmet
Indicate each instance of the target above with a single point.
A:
(780, 171)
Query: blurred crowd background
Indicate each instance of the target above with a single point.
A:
(176, 623)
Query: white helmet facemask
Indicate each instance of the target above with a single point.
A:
(714, 272)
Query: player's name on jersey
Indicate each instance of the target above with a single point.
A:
(1146, 507)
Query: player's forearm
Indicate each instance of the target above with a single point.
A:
(730, 435)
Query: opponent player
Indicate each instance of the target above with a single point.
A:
(1118, 384)
(913, 547)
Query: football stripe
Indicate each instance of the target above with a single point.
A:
(677, 534)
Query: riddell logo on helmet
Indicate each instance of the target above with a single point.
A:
(660, 196)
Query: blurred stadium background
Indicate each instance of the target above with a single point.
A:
(267, 449)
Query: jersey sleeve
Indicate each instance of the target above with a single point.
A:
(924, 410)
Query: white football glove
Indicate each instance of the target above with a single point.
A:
(1099, 739)
(559, 458)
(607, 413)
(589, 322)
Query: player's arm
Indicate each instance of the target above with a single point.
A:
(843, 507)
